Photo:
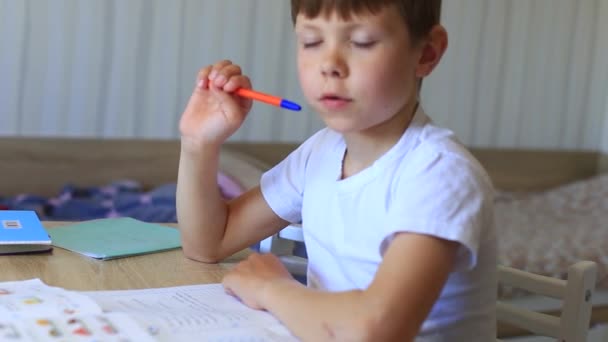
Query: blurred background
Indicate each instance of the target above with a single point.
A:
(524, 74)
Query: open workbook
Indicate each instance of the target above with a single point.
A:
(32, 311)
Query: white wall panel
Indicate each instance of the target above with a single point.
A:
(516, 74)
(12, 45)
(532, 77)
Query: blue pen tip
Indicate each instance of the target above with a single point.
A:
(290, 105)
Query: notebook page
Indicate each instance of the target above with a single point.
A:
(109, 327)
(31, 298)
(33, 311)
(201, 312)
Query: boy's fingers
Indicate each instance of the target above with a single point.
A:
(222, 63)
(218, 73)
(202, 83)
(217, 67)
(202, 79)
(224, 74)
(230, 70)
(225, 98)
(238, 81)
(204, 72)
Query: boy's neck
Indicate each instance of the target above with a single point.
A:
(364, 148)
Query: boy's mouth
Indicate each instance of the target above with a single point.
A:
(334, 101)
(334, 97)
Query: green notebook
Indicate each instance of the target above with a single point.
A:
(115, 238)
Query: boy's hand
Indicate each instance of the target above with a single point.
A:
(249, 279)
(214, 112)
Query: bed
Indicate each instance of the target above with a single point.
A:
(536, 188)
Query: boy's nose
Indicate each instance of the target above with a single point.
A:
(333, 67)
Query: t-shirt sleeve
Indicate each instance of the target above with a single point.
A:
(283, 185)
(448, 197)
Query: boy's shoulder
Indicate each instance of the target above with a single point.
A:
(439, 154)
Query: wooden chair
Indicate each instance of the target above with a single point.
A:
(575, 292)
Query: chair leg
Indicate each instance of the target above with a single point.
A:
(576, 312)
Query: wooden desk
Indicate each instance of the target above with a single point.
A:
(74, 271)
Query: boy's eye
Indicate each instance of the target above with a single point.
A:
(363, 44)
(312, 44)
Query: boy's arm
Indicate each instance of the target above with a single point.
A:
(393, 308)
(211, 228)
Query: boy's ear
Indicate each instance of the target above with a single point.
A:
(433, 48)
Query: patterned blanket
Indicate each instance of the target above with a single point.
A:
(545, 232)
(124, 198)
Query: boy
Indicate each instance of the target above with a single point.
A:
(397, 215)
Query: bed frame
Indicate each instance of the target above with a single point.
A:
(43, 165)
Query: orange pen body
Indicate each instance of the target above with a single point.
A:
(256, 95)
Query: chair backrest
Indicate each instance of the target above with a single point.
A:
(282, 245)
(576, 292)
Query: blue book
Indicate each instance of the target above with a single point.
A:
(21, 232)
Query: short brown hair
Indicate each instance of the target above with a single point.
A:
(420, 15)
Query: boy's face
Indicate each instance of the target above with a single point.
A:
(357, 73)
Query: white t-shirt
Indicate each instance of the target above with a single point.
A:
(427, 183)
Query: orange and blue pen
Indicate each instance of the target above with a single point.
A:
(266, 98)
